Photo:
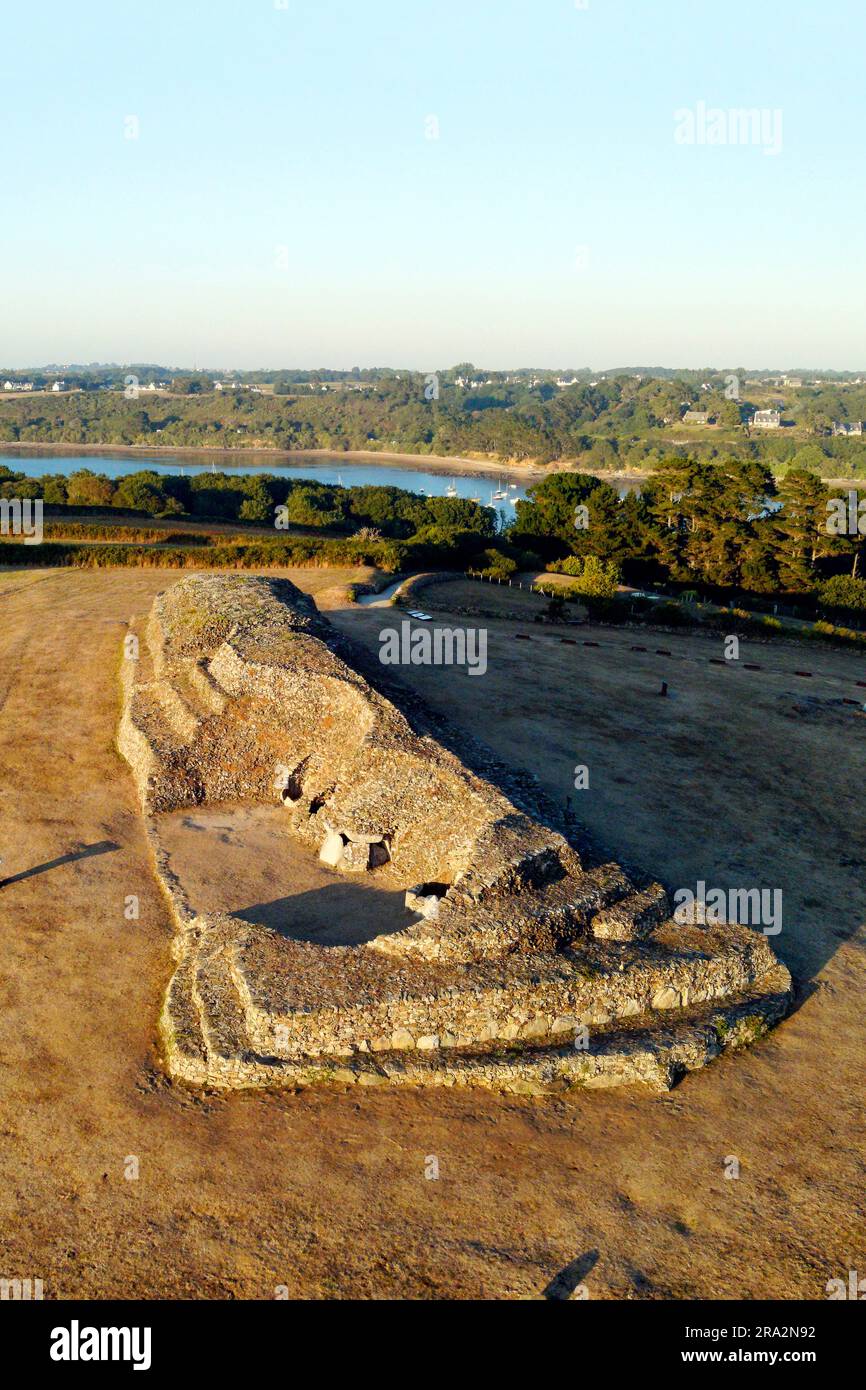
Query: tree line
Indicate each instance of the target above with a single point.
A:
(621, 423)
(728, 526)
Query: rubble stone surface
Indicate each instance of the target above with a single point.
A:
(524, 970)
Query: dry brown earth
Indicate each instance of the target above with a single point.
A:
(751, 778)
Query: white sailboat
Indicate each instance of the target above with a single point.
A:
(450, 490)
(500, 495)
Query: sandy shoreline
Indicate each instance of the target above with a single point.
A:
(420, 462)
(527, 473)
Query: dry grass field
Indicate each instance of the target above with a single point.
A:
(739, 777)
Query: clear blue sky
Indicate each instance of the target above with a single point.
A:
(283, 205)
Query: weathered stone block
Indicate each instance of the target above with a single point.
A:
(332, 850)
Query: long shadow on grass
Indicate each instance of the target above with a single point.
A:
(86, 852)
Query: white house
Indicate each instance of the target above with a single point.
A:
(766, 420)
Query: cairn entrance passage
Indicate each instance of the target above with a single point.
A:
(353, 853)
(243, 860)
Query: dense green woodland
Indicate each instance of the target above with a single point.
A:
(726, 527)
(619, 423)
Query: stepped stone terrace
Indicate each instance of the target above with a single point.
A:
(456, 938)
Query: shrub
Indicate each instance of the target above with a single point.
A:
(843, 591)
(231, 555)
(572, 564)
(607, 610)
(641, 607)
(672, 615)
(594, 578)
(495, 565)
(829, 632)
(527, 560)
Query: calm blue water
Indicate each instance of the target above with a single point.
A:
(333, 469)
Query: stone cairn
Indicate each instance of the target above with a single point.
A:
(522, 970)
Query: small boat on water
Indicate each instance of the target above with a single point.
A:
(501, 493)
(451, 490)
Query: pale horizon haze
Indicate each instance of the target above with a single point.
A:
(418, 184)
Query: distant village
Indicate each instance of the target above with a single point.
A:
(766, 418)
(29, 386)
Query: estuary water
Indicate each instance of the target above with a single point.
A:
(331, 469)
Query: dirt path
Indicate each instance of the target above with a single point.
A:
(326, 1193)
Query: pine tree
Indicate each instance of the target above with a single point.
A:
(801, 536)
